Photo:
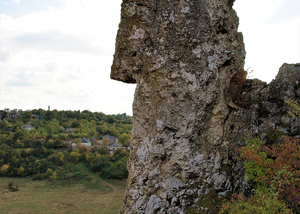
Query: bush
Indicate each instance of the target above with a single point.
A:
(276, 172)
(115, 171)
(263, 201)
(103, 150)
(53, 177)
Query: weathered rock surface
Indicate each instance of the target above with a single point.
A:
(184, 57)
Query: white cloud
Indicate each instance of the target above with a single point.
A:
(287, 10)
(60, 54)
(4, 55)
(21, 79)
(270, 45)
(63, 57)
(53, 41)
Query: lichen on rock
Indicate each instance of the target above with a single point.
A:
(183, 55)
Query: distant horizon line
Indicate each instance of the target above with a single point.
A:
(19, 109)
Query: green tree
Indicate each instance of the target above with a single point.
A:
(19, 135)
(75, 124)
(59, 158)
(4, 169)
(111, 119)
(27, 116)
(74, 156)
(49, 172)
(17, 125)
(21, 170)
(53, 177)
(124, 139)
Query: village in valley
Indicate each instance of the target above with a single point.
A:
(111, 142)
(34, 142)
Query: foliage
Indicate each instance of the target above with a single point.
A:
(124, 139)
(59, 158)
(275, 169)
(4, 169)
(257, 161)
(53, 177)
(49, 146)
(75, 124)
(112, 167)
(263, 201)
(276, 172)
(74, 156)
(294, 108)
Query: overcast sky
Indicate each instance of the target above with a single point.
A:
(59, 52)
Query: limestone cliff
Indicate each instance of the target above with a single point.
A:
(190, 108)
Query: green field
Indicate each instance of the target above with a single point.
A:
(35, 197)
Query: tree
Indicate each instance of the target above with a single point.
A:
(49, 172)
(53, 177)
(124, 139)
(105, 142)
(19, 135)
(17, 125)
(74, 156)
(59, 158)
(103, 150)
(75, 124)
(27, 116)
(4, 169)
(21, 170)
(111, 119)
(4, 114)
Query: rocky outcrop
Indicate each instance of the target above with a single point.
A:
(192, 105)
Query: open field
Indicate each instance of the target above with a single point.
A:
(37, 197)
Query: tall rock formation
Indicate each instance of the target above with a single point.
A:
(186, 58)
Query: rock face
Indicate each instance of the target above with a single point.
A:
(192, 105)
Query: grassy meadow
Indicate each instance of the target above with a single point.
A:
(37, 197)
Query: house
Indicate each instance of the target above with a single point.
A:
(85, 142)
(27, 127)
(13, 114)
(112, 139)
(114, 145)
